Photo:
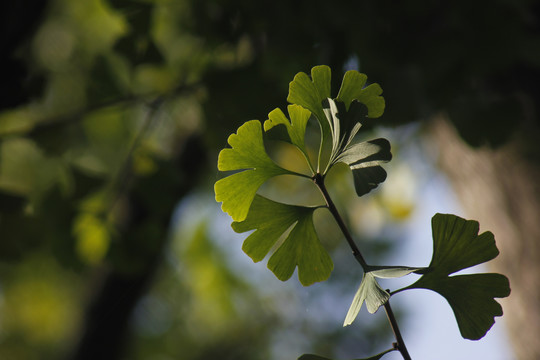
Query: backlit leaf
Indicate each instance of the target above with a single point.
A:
(352, 88)
(312, 93)
(371, 292)
(248, 155)
(309, 93)
(296, 127)
(301, 248)
(365, 158)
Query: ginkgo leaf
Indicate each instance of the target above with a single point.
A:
(301, 248)
(457, 246)
(472, 298)
(365, 158)
(248, 155)
(310, 93)
(352, 88)
(371, 292)
(296, 127)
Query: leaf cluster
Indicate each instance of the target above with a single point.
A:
(340, 119)
(288, 231)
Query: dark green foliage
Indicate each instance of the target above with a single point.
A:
(457, 246)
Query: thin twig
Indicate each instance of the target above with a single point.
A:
(400, 345)
(318, 179)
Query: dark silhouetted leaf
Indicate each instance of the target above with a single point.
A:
(457, 246)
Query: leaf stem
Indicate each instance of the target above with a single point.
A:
(318, 179)
(400, 345)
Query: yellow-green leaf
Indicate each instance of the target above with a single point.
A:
(248, 156)
(301, 248)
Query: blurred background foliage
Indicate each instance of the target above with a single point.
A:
(112, 114)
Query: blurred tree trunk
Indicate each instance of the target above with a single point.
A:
(501, 189)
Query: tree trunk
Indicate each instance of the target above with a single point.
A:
(501, 189)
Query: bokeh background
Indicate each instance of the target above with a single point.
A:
(112, 114)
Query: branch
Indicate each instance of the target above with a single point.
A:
(400, 344)
(318, 179)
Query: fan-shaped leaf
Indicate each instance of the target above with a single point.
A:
(301, 248)
(457, 246)
(248, 155)
(309, 93)
(352, 88)
(296, 127)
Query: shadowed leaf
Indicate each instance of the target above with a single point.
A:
(457, 246)
(365, 158)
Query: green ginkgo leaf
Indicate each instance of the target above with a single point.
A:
(309, 93)
(249, 157)
(301, 248)
(457, 246)
(352, 88)
(296, 127)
